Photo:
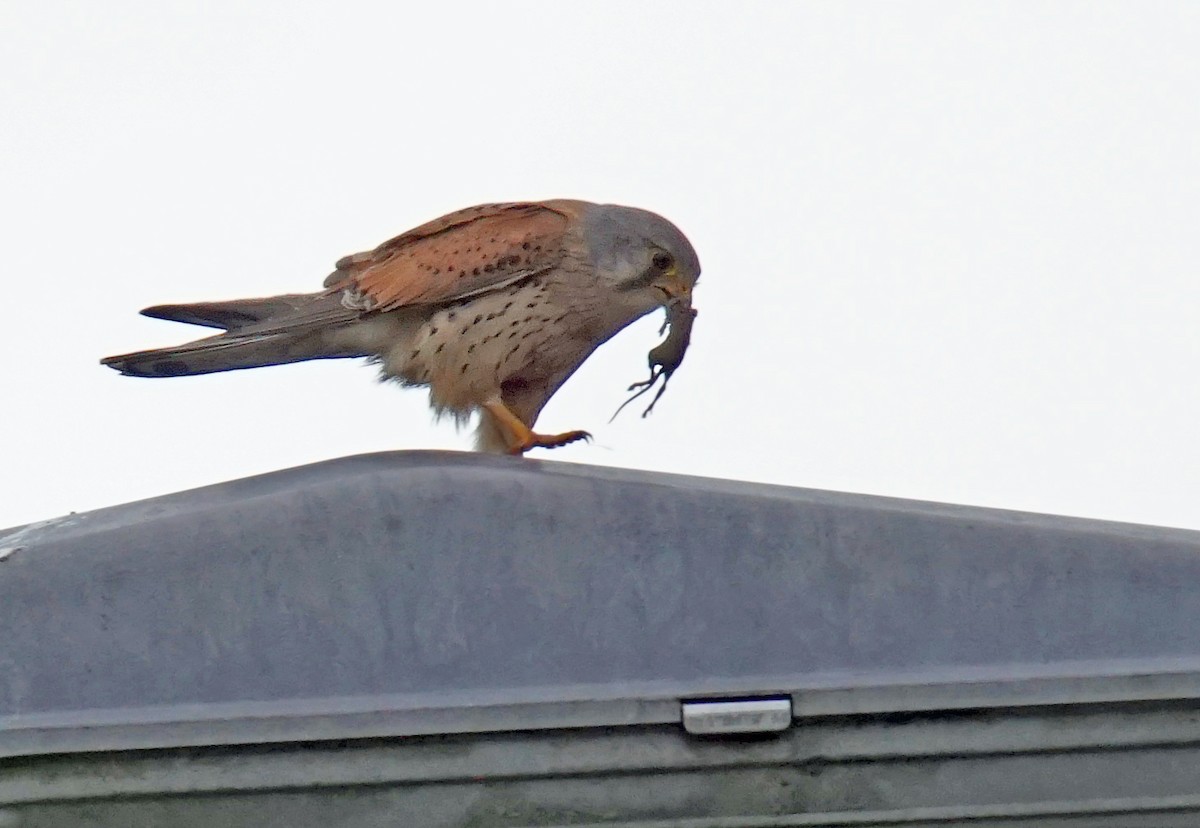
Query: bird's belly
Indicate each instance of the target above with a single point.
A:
(467, 351)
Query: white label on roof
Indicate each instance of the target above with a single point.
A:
(740, 716)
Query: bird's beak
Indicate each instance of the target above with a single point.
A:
(675, 289)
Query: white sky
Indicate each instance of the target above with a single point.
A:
(951, 250)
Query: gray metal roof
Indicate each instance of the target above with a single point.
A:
(422, 592)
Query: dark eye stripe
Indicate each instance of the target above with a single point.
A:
(642, 280)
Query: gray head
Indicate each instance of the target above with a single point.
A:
(641, 254)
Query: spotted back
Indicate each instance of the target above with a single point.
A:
(461, 254)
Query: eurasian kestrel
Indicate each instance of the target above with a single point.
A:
(492, 308)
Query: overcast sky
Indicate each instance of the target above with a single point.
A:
(951, 250)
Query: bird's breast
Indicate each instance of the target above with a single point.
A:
(464, 352)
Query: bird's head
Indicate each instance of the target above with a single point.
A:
(647, 261)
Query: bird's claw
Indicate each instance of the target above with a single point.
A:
(550, 441)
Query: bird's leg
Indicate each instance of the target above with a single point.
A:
(520, 437)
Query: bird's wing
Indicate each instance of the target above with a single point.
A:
(462, 254)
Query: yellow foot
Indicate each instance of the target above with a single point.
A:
(548, 441)
(521, 438)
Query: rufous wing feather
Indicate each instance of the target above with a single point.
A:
(462, 254)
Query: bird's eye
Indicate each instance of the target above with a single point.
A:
(662, 261)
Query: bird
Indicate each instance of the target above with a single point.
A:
(492, 308)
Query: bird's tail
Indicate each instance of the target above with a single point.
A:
(258, 332)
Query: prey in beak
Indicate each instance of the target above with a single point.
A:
(667, 356)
